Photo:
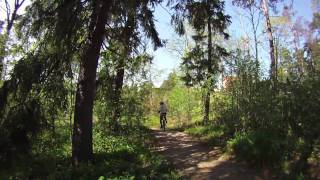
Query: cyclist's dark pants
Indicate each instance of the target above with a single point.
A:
(164, 117)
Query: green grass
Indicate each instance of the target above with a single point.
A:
(154, 122)
(126, 156)
(212, 135)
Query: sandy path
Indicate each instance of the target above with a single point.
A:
(195, 160)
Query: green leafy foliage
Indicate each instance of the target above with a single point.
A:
(261, 147)
(268, 127)
(116, 157)
(266, 123)
(212, 135)
(184, 103)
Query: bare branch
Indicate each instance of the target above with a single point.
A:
(12, 15)
(8, 11)
(19, 4)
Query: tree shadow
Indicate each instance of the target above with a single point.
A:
(195, 160)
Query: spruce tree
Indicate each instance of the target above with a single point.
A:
(207, 18)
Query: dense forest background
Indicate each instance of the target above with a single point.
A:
(77, 98)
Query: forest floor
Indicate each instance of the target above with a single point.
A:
(195, 160)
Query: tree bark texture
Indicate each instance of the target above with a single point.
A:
(273, 70)
(255, 36)
(126, 35)
(209, 78)
(206, 107)
(82, 150)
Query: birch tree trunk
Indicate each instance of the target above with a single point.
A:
(273, 70)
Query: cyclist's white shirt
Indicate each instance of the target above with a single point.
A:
(163, 108)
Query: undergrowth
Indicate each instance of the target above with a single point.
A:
(125, 156)
(211, 135)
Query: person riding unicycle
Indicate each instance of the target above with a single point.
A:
(163, 114)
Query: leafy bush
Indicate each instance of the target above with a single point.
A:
(261, 147)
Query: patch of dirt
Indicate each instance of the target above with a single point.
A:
(195, 160)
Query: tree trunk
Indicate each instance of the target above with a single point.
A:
(209, 78)
(206, 107)
(126, 35)
(189, 113)
(2, 55)
(255, 36)
(82, 129)
(117, 96)
(273, 71)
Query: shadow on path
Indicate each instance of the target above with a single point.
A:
(195, 160)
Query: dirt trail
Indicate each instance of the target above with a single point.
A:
(195, 160)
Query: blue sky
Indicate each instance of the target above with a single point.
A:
(165, 62)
